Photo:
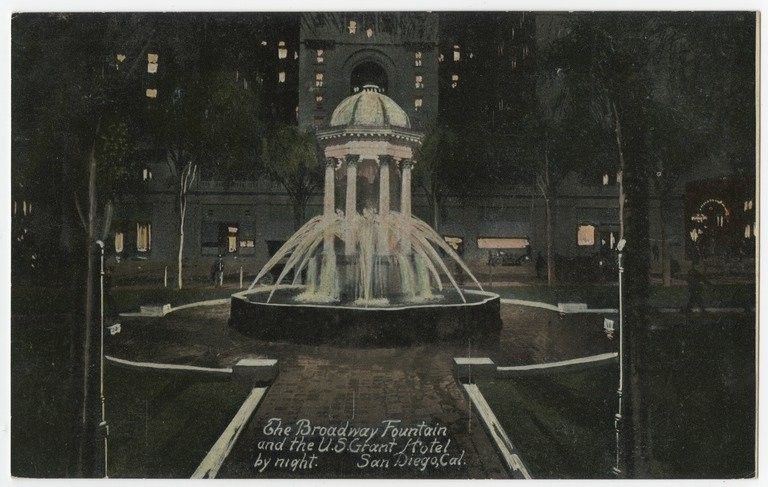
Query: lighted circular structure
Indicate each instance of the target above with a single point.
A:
(365, 271)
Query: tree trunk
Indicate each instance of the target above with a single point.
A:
(87, 428)
(299, 212)
(550, 244)
(186, 179)
(666, 267)
(545, 186)
(180, 257)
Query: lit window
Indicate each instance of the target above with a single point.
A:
(120, 57)
(263, 43)
(319, 98)
(151, 92)
(417, 58)
(246, 243)
(417, 102)
(369, 32)
(147, 174)
(525, 52)
(152, 63)
(119, 241)
(502, 242)
(295, 54)
(454, 80)
(319, 79)
(748, 231)
(586, 235)
(24, 207)
(352, 26)
(282, 52)
(456, 54)
(747, 205)
(419, 83)
(143, 236)
(281, 77)
(440, 57)
(231, 238)
(605, 179)
(320, 56)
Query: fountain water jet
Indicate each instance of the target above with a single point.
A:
(374, 276)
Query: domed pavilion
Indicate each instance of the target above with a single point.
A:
(368, 142)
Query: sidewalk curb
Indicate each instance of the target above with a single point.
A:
(218, 372)
(509, 454)
(560, 366)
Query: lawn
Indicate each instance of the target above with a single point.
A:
(562, 423)
(180, 417)
(700, 392)
(162, 425)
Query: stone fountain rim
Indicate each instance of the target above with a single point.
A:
(488, 296)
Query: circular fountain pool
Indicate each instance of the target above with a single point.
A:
(282, 318)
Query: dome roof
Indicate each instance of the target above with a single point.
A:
(369, 108)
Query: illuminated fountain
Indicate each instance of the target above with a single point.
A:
(366, 273)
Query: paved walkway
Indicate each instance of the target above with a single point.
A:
(329, 385)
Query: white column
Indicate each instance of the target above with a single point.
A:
(405, 186)
(405, 197)
(329, 201)
(384, 165)
(351, 202)
(329, 193)
(385, 162)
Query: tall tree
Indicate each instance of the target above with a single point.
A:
(290, 156)
(71, 132)
(436, 168)
(206, 117)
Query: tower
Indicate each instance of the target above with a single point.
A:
(342, 52)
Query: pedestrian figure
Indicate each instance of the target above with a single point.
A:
(217, 271)
(541, 264)
(695, 287)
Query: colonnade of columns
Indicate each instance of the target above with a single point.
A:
(350, 206)
(351, 161)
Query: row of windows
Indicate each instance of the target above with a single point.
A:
(143, 238)
(25, 207)
(218, 237)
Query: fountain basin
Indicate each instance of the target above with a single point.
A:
(399, 324)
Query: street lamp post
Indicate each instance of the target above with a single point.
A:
(103, 426)
(617, 420)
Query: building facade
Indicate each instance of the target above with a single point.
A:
(426, 66)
